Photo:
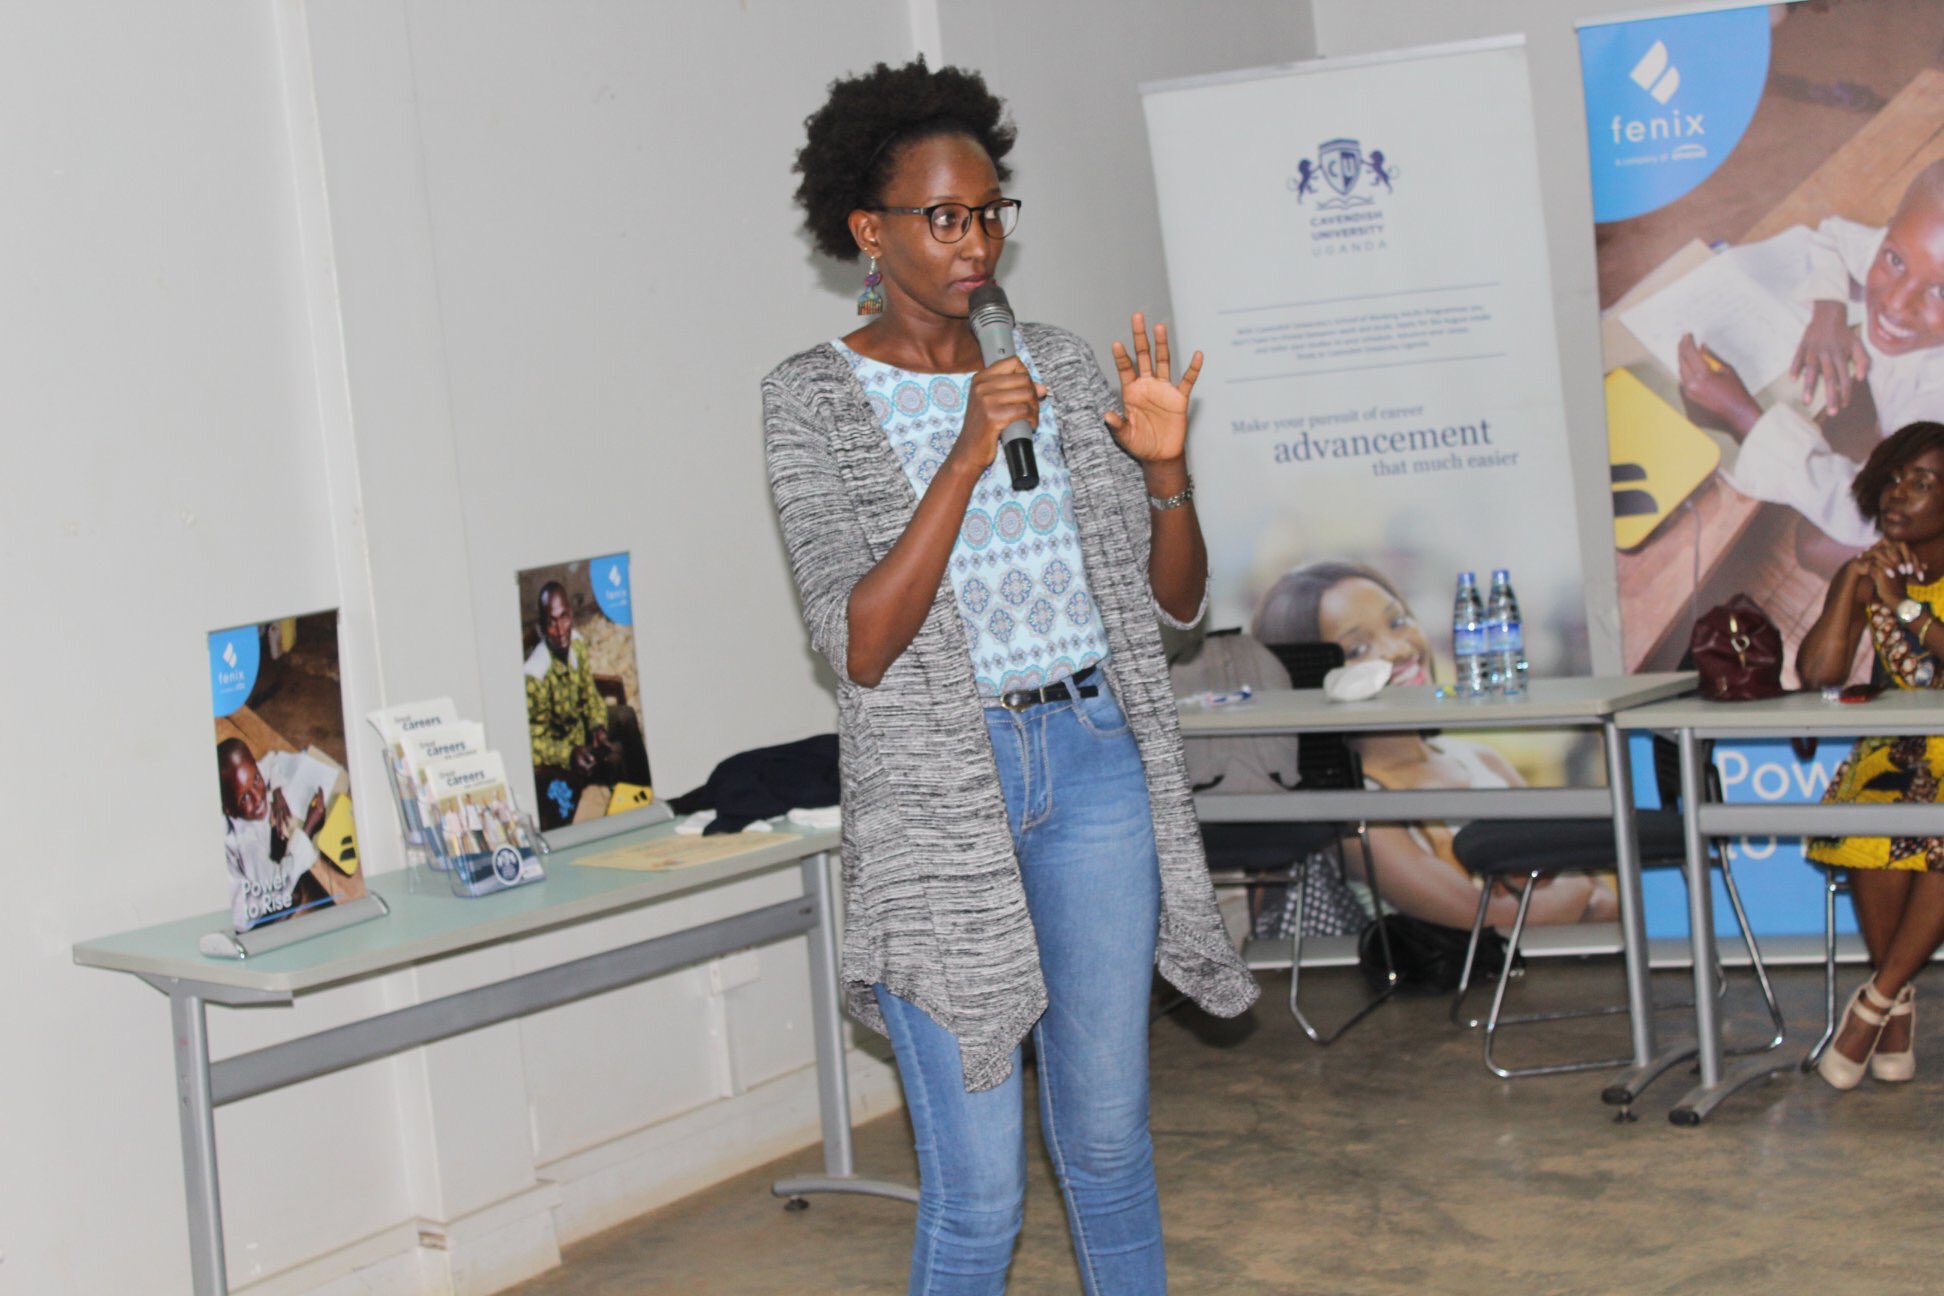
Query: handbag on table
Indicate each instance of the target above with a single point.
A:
(1738, 652)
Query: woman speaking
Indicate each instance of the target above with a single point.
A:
(1020, 850)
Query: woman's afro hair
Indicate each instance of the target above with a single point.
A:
(1891, 454)
(852, 141)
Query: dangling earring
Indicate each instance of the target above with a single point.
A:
(871, 301)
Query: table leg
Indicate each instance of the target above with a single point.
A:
(833, 1082)
(197, 1114)
(1633, 922)
(1647, 1065)
(1715, 1085)
(1700, 888)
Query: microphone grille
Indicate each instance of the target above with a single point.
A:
(988, 301)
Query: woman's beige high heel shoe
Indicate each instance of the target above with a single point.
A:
(1869, 1008)
(1902, 1065)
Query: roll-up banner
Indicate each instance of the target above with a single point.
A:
(1757, 200)
(1358, 246)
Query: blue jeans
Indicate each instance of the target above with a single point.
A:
(1076, 797)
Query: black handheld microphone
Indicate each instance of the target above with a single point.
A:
(992, 325)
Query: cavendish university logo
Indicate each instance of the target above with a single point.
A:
(1671, 136)
(1340, 167)
(1340, 188)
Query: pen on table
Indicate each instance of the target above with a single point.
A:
(1210, 697)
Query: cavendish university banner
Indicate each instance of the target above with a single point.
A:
(1750, 169)
(1358, 247)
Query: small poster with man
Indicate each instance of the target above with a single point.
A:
(289, 842)
(583, 695)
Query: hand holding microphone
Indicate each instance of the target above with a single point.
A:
(1011, 390)
(1152, 424)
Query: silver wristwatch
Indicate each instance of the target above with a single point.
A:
(1909, 610)
(1174, 501)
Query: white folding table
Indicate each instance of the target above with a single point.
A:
(1564, 703)
(1695, 721)
(426, 922)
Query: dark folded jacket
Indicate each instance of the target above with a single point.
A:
(765, 782)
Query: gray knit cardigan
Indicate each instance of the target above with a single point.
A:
(934, 907)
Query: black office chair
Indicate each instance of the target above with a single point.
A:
(1493, 850)
(1259, 855)
(1835, 882)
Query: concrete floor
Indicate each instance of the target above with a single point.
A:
(1393, 1163)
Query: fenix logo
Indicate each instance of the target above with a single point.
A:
(1656, 74)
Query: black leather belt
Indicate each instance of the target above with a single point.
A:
(1067, 686)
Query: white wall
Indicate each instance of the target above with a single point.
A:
(233, 392)
(1367, 26)
(165, 477)
(365, 304)
(611, 220)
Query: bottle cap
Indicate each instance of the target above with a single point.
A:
(1467, 578)
(1502, 574)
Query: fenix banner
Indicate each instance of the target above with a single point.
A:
(1766, 186)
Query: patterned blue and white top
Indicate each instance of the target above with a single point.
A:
(1016, 567)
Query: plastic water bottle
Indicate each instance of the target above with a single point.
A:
(1468, 640)
(1505, 636)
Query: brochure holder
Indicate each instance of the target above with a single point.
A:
(486, 843)
(395, 725)
(517, 863)
(413, 835)
(318, 922)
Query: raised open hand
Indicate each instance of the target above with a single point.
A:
(1154, 428)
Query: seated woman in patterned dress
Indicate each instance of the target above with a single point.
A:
(1894, 593)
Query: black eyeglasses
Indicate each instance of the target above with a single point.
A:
(952, 221)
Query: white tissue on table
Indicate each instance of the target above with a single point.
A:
(817, 817)
(1354, 683)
